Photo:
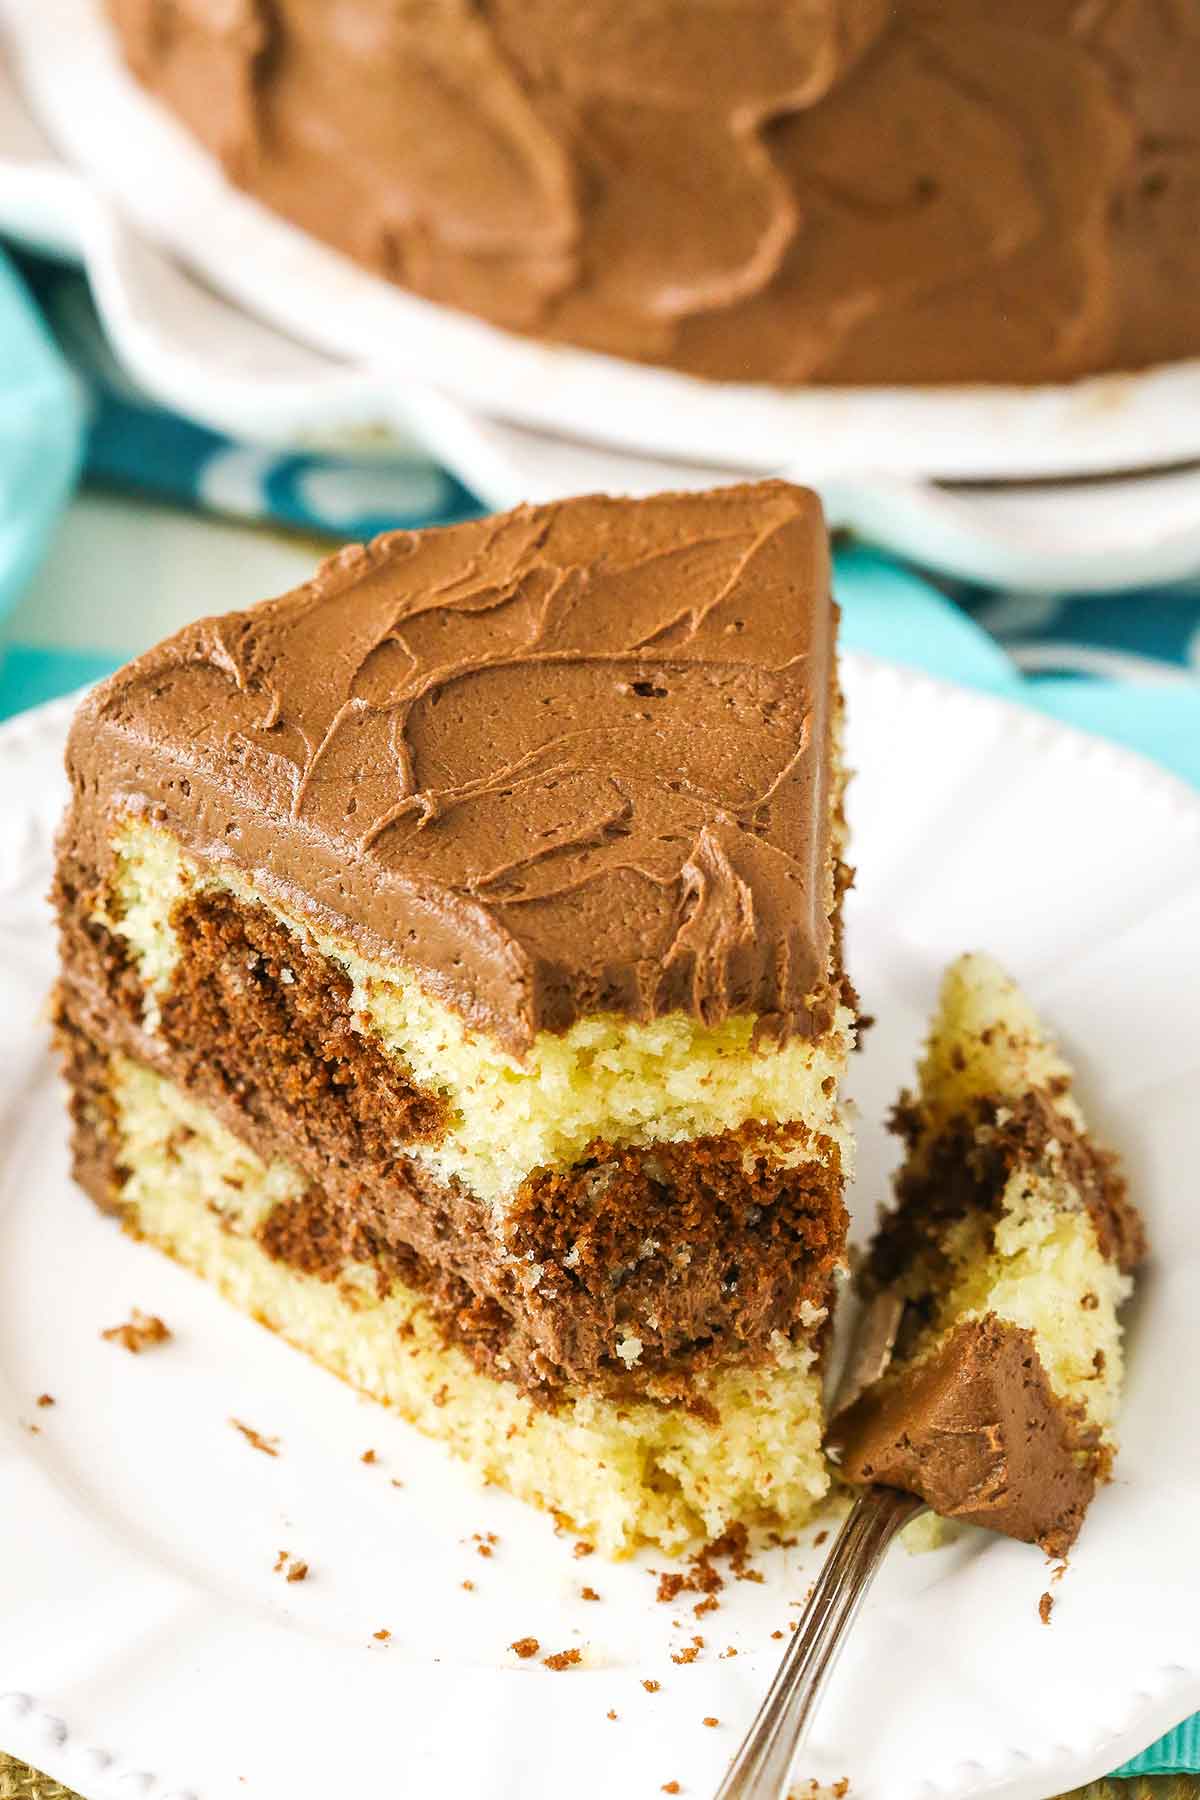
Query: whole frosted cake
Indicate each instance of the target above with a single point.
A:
(452, 974)
(752, 190)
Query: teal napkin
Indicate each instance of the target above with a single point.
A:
(42, 409)
(892, 612)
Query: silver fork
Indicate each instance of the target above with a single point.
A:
(761, 1767)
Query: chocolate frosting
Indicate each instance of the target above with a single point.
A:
(571, 759)
(976, 1430)
(778, 190)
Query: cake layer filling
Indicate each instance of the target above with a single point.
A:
(1010, 1211)
(1032, 1261)
(629, 1272)
(963, 1167)
(210, 962)
(627, 1469)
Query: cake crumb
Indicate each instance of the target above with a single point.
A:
(268, 1446)
(610, 1714)
(687, 1655)
(731, 1651)
(562, 1659)
(588, 1593)
(710, 1721)
(1045, 1608)
(525, 1648)
(368, 1456)
(821, 1538)
(777, 1634)
(442, 1395)
(140, 1331)
(583, 1548)
(297, 1571)
(279, 1562)
(470, 1586)
(703, 1577)
(652, 1687)
(382, 1635)
(483, 1549)
(671, 1787)
(45, 1400)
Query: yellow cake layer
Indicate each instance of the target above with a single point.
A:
(986, 1042)
(1038, 1264)
(1045, 1272)
(623, 1474)
(607, 1078)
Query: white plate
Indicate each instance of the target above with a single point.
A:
(146, 1647)
(105, 124)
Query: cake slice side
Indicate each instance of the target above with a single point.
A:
(1012, 1243)
(623, 1209)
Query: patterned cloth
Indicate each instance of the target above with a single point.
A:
(1125, 666)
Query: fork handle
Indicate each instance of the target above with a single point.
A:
(761, 1767)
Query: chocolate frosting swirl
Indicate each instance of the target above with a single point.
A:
(570, 759)
(763, 190)
(976, 1430)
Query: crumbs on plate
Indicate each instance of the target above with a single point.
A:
(268, 1446)
(141, 1331)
